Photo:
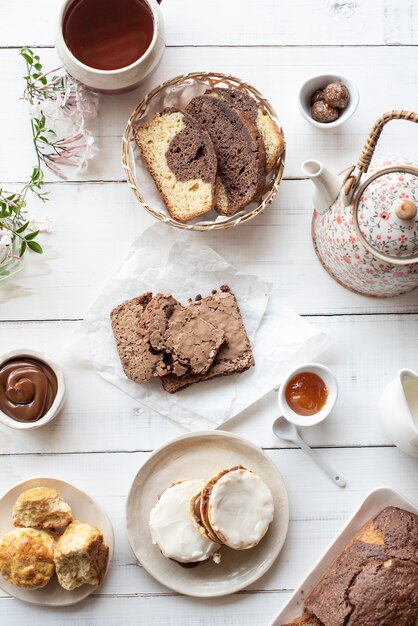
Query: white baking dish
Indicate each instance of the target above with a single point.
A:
(373, 503)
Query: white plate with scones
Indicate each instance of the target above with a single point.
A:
(51, 530)
(182, 510)
(204, 151)
(375, 503)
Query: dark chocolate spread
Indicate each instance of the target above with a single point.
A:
(28, 388)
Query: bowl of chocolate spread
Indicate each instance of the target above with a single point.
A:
(31, 389)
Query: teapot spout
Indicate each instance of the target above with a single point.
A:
(327, 185)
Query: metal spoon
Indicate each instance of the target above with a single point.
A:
(284, 429)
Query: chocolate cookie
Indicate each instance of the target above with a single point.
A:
(235, 355)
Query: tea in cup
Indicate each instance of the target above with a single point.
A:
(110, 46)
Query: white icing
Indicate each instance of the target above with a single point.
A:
(241, 508)
(172, 528)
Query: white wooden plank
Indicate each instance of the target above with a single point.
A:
(243, 22)
(236, 610)
(94, 224)
(98, 416)
(278, 73)
(318, 508)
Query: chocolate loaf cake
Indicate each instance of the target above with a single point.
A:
(271, 136)
(181, 159)
(239, 148)
(305, 620)
(374, 581)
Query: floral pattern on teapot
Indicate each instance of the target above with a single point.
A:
(343, 254)
(377, 220)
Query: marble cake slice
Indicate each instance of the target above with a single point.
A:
(235, 355)
(181, 158)
(272, 138)
(239, 148)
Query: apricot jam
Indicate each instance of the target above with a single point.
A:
(306, 393)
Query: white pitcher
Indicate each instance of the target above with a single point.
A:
(399, 411)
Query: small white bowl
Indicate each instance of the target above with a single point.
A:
(309, 420)
(59, 398)
(319, 82)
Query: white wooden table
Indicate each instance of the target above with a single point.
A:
(100, 439)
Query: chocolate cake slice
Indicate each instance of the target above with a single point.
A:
(189, 342)
(272, 138)
(239, 148)
(235, 354)
(182, 161)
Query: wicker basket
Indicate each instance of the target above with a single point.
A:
(175, 92)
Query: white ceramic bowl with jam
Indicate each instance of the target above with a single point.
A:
(308, 394)
(32, 389)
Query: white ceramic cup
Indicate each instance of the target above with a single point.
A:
(119, 80)
(330, 382)
(59, 398)
(311, 85)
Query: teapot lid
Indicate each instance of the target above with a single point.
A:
(385, 214)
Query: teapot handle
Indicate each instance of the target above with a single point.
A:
(353, 176)
(373, 137)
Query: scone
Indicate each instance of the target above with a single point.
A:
(80, 556)
(270, 134)
(172, 528)
(236, 508)
(239, 148)
(181, 159)
(27, 558)
(42, 508)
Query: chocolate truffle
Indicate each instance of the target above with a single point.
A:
(322, 112)
(318, 95)
(336, 95)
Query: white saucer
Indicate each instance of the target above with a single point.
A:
(202, 455)
(83, 508)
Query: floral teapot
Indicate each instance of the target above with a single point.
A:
(365, 227)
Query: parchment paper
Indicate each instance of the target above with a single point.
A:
(161, 260)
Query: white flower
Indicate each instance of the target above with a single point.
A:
(5, 239)
(35, 109)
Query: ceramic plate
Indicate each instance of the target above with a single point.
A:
(202, 455)
(373, 503)
(83, 508)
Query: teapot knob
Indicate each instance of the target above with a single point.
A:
(406, 210)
